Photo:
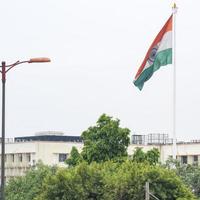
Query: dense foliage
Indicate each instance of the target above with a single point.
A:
(110, 180)
(29, 186)
(113, 181)
(152, 156)
(190, 174)
(105, 141)
(75, 157)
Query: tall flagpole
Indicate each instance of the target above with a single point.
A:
(174, 10)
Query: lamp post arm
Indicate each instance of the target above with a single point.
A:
(9, 67)
(14, 64)
(32, 60)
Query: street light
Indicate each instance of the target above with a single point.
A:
(4, 69)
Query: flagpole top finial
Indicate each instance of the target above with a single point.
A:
(174, 5)
(174, 8)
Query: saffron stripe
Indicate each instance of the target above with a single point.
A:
(167, 27)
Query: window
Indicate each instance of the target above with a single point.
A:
(184, 159)
(62, 157)
(195, 159)
(28, 157)
(12, 157)
(33, 162)
(20, 157)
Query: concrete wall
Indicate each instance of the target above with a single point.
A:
(49, 152)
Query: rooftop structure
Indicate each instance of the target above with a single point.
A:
(151, 138)
(49, 133)
(49, 136)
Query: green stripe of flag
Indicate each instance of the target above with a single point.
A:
(162, 58)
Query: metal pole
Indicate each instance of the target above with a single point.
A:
(3, 72)
(147, 197)
(174, 10)
(3, 132)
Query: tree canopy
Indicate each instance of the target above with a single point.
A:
(152, 156)
(29, 186)
(190, 174)
(75, 157)
(105, 141)
(113, 181)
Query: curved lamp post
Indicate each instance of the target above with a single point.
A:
(4, 69)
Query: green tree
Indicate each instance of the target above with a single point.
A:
(151, 156)
(139, 155)
(113, 181)
(81, 182)
(75, 157)
(190, 174)
(105, 141)
(165, 184)
(29, 186)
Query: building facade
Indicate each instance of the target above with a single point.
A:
(187, 152)
(53, 148)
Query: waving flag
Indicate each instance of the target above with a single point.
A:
(159, 54)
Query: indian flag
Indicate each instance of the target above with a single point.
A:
(159, 54)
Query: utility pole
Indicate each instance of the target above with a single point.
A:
(148, 193)
(147, 196)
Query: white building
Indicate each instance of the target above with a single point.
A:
(187, 152)
(52, 148)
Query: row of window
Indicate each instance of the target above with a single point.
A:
(27, 157)
(18, 157)
(63, 156)
(184, 159)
